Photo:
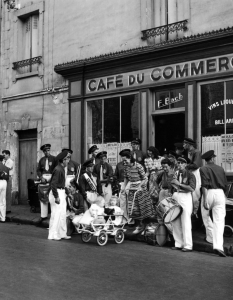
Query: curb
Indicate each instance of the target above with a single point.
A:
(198, 246)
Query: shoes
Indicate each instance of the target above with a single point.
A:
(55, 238)
(187, 250)
(176, 248)
(219, 252)
(67, 237)
(138, 230)
(205, 239)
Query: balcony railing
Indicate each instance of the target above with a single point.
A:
(27, 65)
(164, 30)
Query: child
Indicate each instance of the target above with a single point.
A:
(118, 211)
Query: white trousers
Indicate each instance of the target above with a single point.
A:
(207, 222)
(197, 192)
(217, 203)
(182, 227)
(57, 224)
(107, 191)
(3, 186)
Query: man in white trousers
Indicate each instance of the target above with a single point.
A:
(4, 176)
(185, 184)
(214, 184)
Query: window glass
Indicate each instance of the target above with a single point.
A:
(94, 122)
(173, 98)
(129, 117)
(112, 120)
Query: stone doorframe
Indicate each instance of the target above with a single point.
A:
(10, 141)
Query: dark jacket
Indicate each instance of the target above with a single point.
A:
(107, 171)
(85, 187)
(41, 165)
(4, 172)
(119, 172)
(58, 180)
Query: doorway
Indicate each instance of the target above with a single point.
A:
(169, 129)
(27, 161)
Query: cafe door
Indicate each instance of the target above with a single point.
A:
(169, 129)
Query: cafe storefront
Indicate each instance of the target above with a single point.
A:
(159, 94)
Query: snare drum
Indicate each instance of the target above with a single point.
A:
(168, 209)
(47, 177)
(155, 233)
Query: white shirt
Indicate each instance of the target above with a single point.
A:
(9, 164)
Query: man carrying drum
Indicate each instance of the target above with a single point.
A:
(45, 169)
(185, 184)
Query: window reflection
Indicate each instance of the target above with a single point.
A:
(94, 122)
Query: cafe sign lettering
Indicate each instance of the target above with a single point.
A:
(148, 77)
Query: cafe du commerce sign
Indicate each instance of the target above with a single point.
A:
(180, 71)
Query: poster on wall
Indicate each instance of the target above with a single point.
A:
(227, 148)
(112, 154)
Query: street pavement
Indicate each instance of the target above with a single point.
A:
(33, 267)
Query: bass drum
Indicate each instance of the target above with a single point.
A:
(155, 233)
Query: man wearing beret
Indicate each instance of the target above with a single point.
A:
(73, 168)
(104, 171)
(45, 167)
(57, 199)
(93, 151)
(138, 154)
(89, 187)
(4, 177)
(185, 184)
(214, 185)
(119, 172)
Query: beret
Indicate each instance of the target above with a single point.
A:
(124, 150)
(182, 159)
(88, 163)
(136, 141)
(101, 154)
(67, 149)
(92, 149)
(62, 155)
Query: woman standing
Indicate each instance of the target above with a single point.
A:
(153, 165)
(57, 199)
(139, 203)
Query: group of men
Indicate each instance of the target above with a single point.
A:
(192, 183)
(6, 172)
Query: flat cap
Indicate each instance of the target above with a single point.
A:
(208, 155)
(183, 159)
(92, 149)
(45, 147)
(67, 149)
(136, 141)
(62, 155)
(189, 141)
(88, 163)
(101, 154)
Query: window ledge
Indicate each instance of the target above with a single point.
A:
(29, 74)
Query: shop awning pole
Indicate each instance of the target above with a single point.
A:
(225, 133)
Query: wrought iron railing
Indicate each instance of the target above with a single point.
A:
(165, 29)
(27, 63)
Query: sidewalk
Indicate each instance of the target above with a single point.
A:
(21, 214)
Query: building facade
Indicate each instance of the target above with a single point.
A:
(77, 73)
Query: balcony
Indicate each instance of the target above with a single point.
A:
(27, 67)
(166, 30)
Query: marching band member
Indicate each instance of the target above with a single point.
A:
(57, 199)
(103, 171)
(182, 226)
(164, 179)
(8, 162)
(139, 202)
(94, 151)
(88, 186)
(73, 168)
(138, 155)
(214, 184)
(45, 168)
(4, 176)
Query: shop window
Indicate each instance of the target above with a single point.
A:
(217, 120)
(169, 99)
(112, 122)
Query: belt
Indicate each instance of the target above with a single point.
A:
(60, 188)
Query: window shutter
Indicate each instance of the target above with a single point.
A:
(35, 35)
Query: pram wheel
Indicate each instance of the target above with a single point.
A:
(102, 239)
(120, 236)
(86, 237)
